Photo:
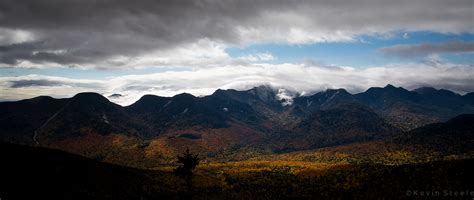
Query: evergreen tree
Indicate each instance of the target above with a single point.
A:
(188, 162)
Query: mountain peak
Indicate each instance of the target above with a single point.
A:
(262, 88)
(387, 89)
(184, 95)
(148, 102)
(39, 99)
(264, 92)
(434, 91)
(218, 91)
(150, 98)
(337, 91)
(89, 96)
(390, 86)
(328, 98)
(222, 93)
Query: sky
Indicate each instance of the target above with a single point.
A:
(62, 47)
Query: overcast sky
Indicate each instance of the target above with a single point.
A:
(61, 47)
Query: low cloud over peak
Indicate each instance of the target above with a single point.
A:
(300, 78)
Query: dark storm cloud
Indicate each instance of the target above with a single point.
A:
(33, 83)
(35, 52)
(91, 32)
(48, 82)
(420, 50)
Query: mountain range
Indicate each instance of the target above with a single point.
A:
(230, 123)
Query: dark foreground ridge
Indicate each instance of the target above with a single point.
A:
(40, 173)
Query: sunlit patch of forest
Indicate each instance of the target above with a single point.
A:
(308, 180)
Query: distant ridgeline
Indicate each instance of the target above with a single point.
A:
(237, 125)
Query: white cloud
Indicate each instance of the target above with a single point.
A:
(405, 36)
(257, 57)
(302, 78)
(203, 53)
(285, 96)
(14, 36)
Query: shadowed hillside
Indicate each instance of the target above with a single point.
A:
(39, 173)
